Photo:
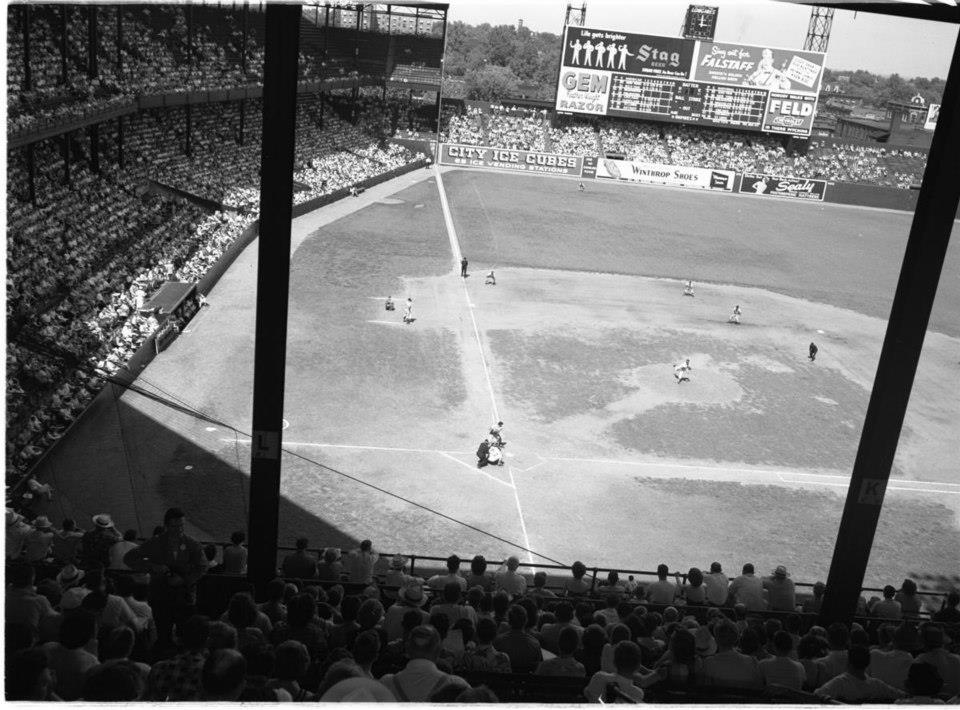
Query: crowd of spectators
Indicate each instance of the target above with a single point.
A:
(115, 618)
(154, 54)
(83, 260)
(681, 145)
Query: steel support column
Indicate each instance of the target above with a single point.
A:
(273, 278)
(92, 69)
(912, 303)
(64, 23)
(25, 27)
(93, 132)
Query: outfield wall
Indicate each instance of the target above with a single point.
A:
(631, 171)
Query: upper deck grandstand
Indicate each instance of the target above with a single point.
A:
(135, 161)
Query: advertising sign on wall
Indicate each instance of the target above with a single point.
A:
(790, 113)
(520, 160)
(659, 174)
(764, 67)
(649, 55)
(776, 186)
(583, 91)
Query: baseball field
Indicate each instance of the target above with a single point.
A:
(609, 459)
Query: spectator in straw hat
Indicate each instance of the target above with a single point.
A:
(39, 542)
(397, 576)
(781, 594)
(96, 543)
(409, 597)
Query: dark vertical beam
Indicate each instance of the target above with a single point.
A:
(93, 132)
(92, 41)
(273, 278)
(25, 26)
(243, 115)
(64, 23)
(909, 315)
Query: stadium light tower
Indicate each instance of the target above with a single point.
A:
(576, 15)
(818, 32)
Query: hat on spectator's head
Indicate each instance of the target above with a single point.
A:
(103, 521)
(715, 567)
(398, 562)
(780, 572)
(42, 523)
(73, 598)
(413, 594)
(13, 516)
(358, 690)
(69, 576)
(705, 642)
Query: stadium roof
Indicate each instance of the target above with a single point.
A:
(938, 10)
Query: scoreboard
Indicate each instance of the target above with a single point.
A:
(705, 83)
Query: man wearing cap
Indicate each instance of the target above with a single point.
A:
(176, 563)
(39, 541)
(421, 677)
(781, 594)
(96, 543)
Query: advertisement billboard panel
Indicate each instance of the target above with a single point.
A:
(790, 113)
(646, 55)
(519, 160)
(933, 113)
(778, 186)
(659, 174)
(764, 67)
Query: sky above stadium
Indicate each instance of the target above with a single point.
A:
(876, 43)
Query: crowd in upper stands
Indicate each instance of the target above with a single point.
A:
(681, 145)
(115, 617)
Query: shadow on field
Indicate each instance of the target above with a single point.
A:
(134, 456)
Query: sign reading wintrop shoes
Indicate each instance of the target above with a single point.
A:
(777, 186)
(658, 174)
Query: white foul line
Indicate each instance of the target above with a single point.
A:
(455, 247)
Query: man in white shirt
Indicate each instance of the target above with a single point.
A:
(626, 660)
(662, 591)
(509, 580)
(855, 686)
(728, 667)
(747, 589)
(421, 677)
(717, 585)
(888, 608)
